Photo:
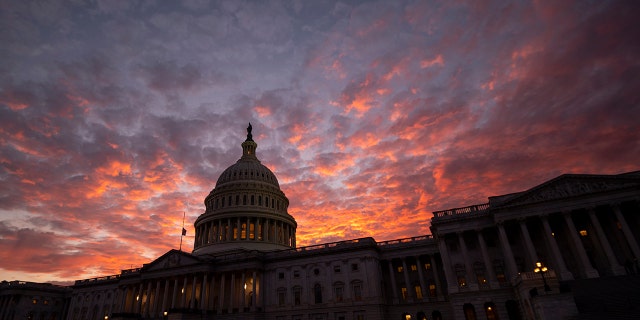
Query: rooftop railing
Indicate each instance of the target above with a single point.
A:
(473, 209)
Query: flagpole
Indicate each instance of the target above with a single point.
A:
(183, 231)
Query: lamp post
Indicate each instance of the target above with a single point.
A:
(542, 269)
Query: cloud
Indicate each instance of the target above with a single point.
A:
(117, 118)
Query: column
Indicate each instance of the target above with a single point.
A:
(175, 293)
(405, 273)
(423, 288)
(562, 272)
(253, 290)
(204, 301)
(452, 282)
(394, 286)
(193, 302)
(627, 231)
(183, 292)
(221, 298)
(493, 281)
(147, 301)
(589, 271)
(472, 279)
(154, 308)
(266, 230)
(510, 262)
(232, 290)
(219, 231)
(138, 300)
(165, 294)
(436, 277)
(123, 306)
(229, 230)
(616, 268)
(212, 291)
(531, 250)
(243, 290)
(4, 305)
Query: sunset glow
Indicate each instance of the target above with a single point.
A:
(118, 117)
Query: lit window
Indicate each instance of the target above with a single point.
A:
(400, 269)
(354, 267)
(336, 269)
(414, 267)
(432, 290)
(462, 282)
(296, 273)
(583, 233)
(281, 297)
(427, 266)
(34, 301)
(404, 292)
(296, 295)
(418, 292)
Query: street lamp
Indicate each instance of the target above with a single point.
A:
(542, 269)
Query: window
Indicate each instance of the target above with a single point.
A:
(432, 290)
(336, 268)
(244, 199)
(339, 292)
(462, 282)
(414, 267)
(296, 273)
(357, 291)
(280, 275)
(34, 301)
(400, 269)
(583, 233)
(253, 200)
(404, 292)
(316, 271)
(418, 291)
(317, 293)
(358, 315)
(282, 295)
(259, 200)
(243, 233)
(427, 266)
(297, 293)
(252, 231)
(354, 267)
(237, 200)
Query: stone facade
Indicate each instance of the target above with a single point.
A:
(480, 261)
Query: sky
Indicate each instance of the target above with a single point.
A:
(117, 117)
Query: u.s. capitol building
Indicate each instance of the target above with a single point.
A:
(565, 249)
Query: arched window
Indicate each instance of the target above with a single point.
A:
(436, 315)
(356, 290)
(490, 310)
(266, 201)
(317, 293)
(237, 200)
(259, 200)
(406, 316)
(469, 311)
(513, 310)
(422, 316)
(253, 201)
(244, 199)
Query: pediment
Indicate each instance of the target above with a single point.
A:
(171, 259)
(572, 185)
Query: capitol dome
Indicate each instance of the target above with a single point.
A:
(246, 210)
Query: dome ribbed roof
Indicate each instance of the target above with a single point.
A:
(247, 170)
